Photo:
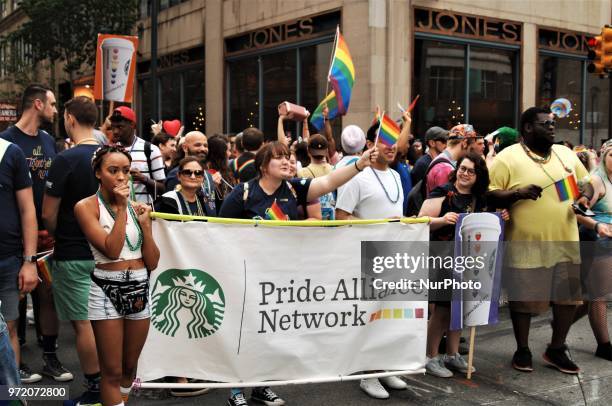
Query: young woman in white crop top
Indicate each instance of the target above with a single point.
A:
(121, 240)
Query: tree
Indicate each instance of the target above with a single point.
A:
(66, 30)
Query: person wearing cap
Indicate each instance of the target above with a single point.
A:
(456, 147)
(147, 172)
(435, 138)
(317, 150)
(353, 142)
(499, 140)
(318, 153)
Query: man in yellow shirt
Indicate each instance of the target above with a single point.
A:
(543, 256)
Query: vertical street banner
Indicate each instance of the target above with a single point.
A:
(115, 67)
(243, 303)
(478, 235)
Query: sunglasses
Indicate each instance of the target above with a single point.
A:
(470, 171)
(188, 172)
(547, 123)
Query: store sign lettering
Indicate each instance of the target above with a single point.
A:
(449, 23)
(279, 34)
(8, 112)
(172, 60)
(564, 41)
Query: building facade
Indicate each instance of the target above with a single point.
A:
(224, 65)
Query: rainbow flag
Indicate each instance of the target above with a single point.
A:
(342, 73)
(567, 188)
(316, 119)
(274, 212)
(388, 131)
(43, 264)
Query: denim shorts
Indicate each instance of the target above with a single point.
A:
(9, 287)
(101, 307)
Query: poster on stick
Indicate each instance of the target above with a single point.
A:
(478, 236)
(115, 67)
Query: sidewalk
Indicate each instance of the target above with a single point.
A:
(494, 383)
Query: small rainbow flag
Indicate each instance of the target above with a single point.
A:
(317, 119)
(274, 212)
(567, 188)
(43, 264)
(342, 73)
(388, 131)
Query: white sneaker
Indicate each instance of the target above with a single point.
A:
(393, 382)
(435, 366)
(373, 388)
(458, 363)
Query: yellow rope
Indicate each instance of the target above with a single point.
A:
(299, 223)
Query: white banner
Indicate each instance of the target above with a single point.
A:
(244, 303)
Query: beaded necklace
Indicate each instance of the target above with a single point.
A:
(541, 161)
(385, 190)
(132, 247)
(200, 210)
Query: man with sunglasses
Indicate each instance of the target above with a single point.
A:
(436, 138)
(543, 259)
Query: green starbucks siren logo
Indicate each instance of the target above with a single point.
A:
(187, 302)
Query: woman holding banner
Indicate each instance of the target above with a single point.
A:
(465, 193)
(120, 236)
(275, 195)
(598, 278)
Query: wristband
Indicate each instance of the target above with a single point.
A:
(356, 167)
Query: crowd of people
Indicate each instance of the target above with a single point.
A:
(91, 202)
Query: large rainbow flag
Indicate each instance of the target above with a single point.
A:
(317, 119)
(567, 188)
(388, 131)
(342, 73)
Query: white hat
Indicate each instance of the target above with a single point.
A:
(353, 139)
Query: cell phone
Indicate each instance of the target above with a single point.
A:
(580, 209)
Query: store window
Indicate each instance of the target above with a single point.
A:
(464, 83)
(565, 76)
(297, 75)
(180, 96)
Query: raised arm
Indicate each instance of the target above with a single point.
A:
(403, 142)
(280, 129)
(337, 178)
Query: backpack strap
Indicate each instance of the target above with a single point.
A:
(245, 194)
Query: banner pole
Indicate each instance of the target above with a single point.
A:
(471, 352)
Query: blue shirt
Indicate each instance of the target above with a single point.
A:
(14, 176)
(404, 172)
(71, 179)
(39, 152)
(258, 201)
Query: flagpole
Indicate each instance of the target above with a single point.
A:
(379, 125)
(331, 60)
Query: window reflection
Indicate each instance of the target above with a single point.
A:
(279, 84)
(491, 89)
(244, 94)
(439, 75)
(561, 77)
(597, 117)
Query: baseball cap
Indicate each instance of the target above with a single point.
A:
(317, 145)
(352, 139)
(436, 134)
(507, 136)
(123, 113)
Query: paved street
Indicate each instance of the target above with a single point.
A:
(495, 382)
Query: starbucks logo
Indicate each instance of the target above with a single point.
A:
(187, 302)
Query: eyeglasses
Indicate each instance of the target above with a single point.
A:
(547, 123)
(464, 169)
(188, 172)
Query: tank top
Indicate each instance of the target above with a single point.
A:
(132, 230)
(603, 207)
